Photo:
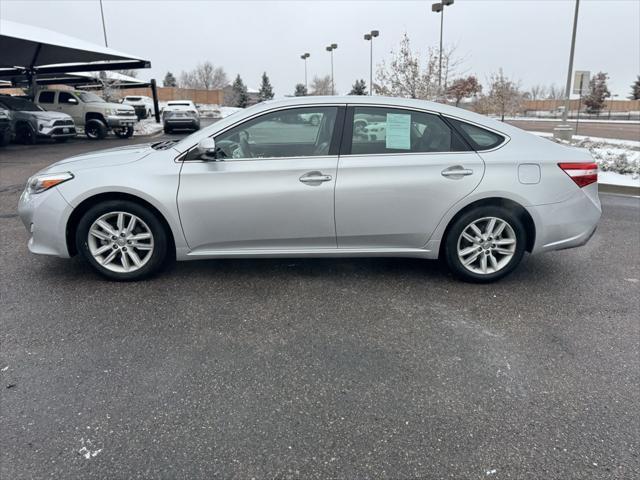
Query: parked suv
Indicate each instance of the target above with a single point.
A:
(180, 114)
(142, 105)
(5, 127)
(28, 121)
(90, 111)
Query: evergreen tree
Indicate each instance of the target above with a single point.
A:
(301, 90)
(266, 90)
(635, 90)
(598, 93)
(169, 80)
(359, 88)
(240, 95)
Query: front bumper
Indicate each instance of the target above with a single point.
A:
(566, 224)
(45, 217)
(64, 131)
(121, 121)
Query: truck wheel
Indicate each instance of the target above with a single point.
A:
(24, 134)
(95, 129)
(167, 129)
(124, 132)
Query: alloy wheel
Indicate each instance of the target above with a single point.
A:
(486, 245)
(120, 242)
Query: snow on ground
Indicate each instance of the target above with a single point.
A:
(147, 126)
(618, 160)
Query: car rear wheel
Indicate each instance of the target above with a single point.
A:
(485, 244)
(95, 129)
(122, 240)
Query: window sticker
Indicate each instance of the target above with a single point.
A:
(398, 134)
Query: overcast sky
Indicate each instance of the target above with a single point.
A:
(528, 39)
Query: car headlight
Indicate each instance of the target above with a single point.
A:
(4, 114)
(41, 183)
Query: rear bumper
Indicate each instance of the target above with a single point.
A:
(182, 122)
(567, 224)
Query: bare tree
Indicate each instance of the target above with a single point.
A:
(537, 92)
(504, 95)
(321, 85)
(129, 73)
(188, 80)
(555, 93)
(404, 76)
(210, 77)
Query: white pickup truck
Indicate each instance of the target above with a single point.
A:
(90, 111)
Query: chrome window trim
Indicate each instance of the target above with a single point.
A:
(179, 158)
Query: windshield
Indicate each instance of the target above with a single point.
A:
(20, 104)
(89, 97)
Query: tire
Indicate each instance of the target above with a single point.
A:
(95, 129)
(149, 253)
(124, 133)
(24, 134)
(506, 245)
(167, 129)
(5, 137)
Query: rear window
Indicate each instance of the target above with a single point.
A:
(178, 104)
(133, 99)
(479, 138)
(46, 97)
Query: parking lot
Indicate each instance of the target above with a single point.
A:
(327, 368)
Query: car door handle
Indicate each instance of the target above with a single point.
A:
(315, 178)
(456, 171)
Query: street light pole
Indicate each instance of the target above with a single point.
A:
(370, 36)
(567, 91)
(104, 28)
(439, 8)
(304, 57)
(330, 49)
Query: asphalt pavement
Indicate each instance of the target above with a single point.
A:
(328, 368)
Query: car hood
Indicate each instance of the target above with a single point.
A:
(47, 116)
(102, 158)
(112, 106)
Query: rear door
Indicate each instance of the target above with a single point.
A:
(399, 172)
(270, 188)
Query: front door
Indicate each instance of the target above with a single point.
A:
(401, 171)
(270, 186)
(69, 104)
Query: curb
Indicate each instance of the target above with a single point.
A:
(619, 189)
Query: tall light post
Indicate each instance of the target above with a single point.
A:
(369, 37)
(104, 29)
(304, 57)
(330, 49)
(439, 8)
(567, 90)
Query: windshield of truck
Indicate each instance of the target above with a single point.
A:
(87, 97)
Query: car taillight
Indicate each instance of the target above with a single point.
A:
(582, 174)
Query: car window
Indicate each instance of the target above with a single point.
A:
(296, 132)
(18, 104)
(391, 130)
(89, 97)
(479, 138)
(46, 97)
(64, 97)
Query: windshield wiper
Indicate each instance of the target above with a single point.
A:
(164, 145)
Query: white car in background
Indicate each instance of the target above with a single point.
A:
(180, 114)
(142, 105)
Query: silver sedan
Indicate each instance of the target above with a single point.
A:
(371, 177)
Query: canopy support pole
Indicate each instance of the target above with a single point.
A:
(154, 92)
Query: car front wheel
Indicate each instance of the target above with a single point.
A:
(485, 244)
(122, 240)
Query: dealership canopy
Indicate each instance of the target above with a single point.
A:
(28, 52)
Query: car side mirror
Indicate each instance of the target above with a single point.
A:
(73, 101)
(206, 148)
